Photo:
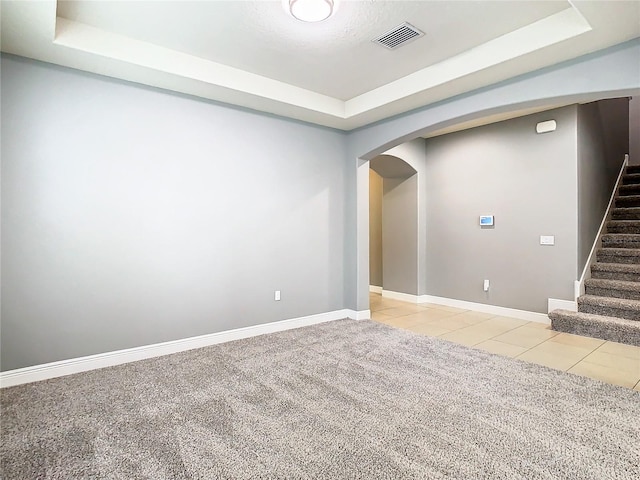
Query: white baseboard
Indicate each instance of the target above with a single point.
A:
(360, 314)
(484, 308)
(375, 289)
(554, 304)
(108, 359)
(403, 297)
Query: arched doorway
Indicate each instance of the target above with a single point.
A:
(393, 225)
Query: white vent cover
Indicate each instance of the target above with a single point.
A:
(398, 36)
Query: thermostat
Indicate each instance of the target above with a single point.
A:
(486, 220)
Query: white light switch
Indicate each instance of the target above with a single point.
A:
(485, 286)
(547, 240)
(276, 296)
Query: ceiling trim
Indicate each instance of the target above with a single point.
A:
(556, 28)
(34, 31)
(92, 40)
(543, 33)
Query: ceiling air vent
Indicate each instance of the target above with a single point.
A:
(398, 36)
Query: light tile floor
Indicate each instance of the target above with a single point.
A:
(610, 362)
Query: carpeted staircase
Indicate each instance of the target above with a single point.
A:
(610, 308)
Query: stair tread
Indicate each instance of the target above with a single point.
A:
(597, 326)
(594, 316)
(610, 302)
(616, 267)
(630, 214)
(624, 252)
(613, 284)
(628, 198)
(624, 222)
(630, 236)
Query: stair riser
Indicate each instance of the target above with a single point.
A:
(632, 169)
(625, 214)
(612, 293)
(628, 277)
(627, 334)
(629, 190)
(618, 243)
(631, 179)
(635, 229)
(609, 311)
(622, 202)
(606, 257)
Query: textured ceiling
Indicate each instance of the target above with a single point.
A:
(334, 58)
(253, 54)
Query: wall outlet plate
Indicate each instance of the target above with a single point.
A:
(547, 240)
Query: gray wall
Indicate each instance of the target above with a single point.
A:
(375, 228)
(106, 241)
(634, 130)
(400, 235)
(528, 181)
(132, 216)
(603, 140)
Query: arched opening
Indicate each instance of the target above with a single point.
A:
(393, 225)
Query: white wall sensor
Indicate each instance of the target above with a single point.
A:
(546, 127)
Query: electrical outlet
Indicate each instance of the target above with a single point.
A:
(276, 296)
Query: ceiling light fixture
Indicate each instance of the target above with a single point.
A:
(311, 10)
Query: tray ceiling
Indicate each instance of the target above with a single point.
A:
(253, 54)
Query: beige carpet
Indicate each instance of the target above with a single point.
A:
(342, 400)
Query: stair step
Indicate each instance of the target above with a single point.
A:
(618, 255)
(633, 189)
(628, 201)
(630, 178)
(629, 213)
(616, 271)
(596, 326)
(610, 307)
(623, 226)
(632, 169)
(612, 288)
(621, 240)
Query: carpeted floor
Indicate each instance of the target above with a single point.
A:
(341, 400)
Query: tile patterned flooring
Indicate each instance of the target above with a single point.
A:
(609, 362)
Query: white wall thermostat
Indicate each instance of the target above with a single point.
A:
(486, 220)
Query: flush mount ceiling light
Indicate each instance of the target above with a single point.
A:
(311, 10)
